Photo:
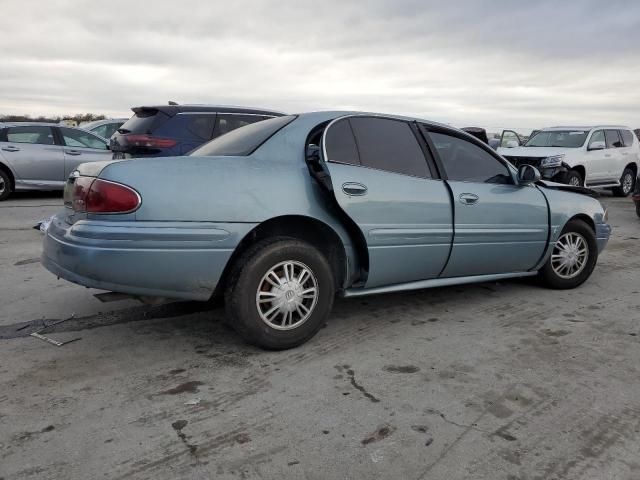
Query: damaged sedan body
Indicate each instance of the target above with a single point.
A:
(281, 215)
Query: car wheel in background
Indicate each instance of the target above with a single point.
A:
(5, 185)
(573, 257)
(638, 209)
(280, 293)
(574, 178)
(627, 183)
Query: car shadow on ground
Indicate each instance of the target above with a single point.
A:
(203, 323)
(34, 195)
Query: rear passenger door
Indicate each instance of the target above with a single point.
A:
(81, 147)
(499, 226)
(32, 152)
(383, 178)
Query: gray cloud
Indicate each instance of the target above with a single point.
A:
(493, 63)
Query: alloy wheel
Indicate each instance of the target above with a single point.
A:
(3, 185)
(574, 182)
(570, 255)
(627, 183)
(287, 295)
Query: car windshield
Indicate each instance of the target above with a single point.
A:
(244, 140)
(558, 138)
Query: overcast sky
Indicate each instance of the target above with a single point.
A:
(491, 63)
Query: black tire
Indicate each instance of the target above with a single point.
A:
(247, 279)
(623, 191)
(553, 279)
(638, 209)
(5, 185)
(574, 176)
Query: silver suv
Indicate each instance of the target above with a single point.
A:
(40, 156)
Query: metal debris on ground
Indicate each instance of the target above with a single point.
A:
(195, 401)
(46, 325)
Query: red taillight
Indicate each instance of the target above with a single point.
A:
(149, 141)
(101, 196)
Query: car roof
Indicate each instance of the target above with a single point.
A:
(174, 109)
(30, 124)
(333, 114)
(592, 127)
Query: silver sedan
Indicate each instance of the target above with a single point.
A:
(40, 156)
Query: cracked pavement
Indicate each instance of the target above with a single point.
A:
(492, 381)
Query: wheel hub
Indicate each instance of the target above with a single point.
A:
(287, 295)
(569, 256)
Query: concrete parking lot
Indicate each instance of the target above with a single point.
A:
(493, 381)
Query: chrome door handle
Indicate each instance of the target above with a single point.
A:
(468, 198)
(11, 148)
(72, 152)
(354, 189)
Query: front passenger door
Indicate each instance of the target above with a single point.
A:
(499, 227)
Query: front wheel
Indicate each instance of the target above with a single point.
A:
(574, 178)
(573, 257)
(280, 293)
(627, 182)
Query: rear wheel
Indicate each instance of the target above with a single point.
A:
(280, 293)
(627, 182)
(574, 179)
(5, 185)
(573, 257)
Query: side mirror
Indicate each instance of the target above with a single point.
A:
(528, 175)
(599, 145)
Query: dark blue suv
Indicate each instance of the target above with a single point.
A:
(171, 130)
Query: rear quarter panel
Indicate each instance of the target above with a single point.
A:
(272, 182)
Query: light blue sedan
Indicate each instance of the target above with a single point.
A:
(281, 215)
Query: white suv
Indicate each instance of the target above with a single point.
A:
(603, 156)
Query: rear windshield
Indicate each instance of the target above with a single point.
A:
(558, 138)
(244, 140)
(144, 121)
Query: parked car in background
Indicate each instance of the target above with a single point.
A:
(40, 156)
(166, 130)
(280, 215)
(104, 128)
(600, 156)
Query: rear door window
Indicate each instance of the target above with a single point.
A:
(341, 145)
(627, 137)
(202, 126)
(390, 145)
(464, 161)
(613, 139)
(227, 122)
(80, 139)
(37, 135)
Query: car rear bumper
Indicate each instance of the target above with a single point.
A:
(168, 259)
